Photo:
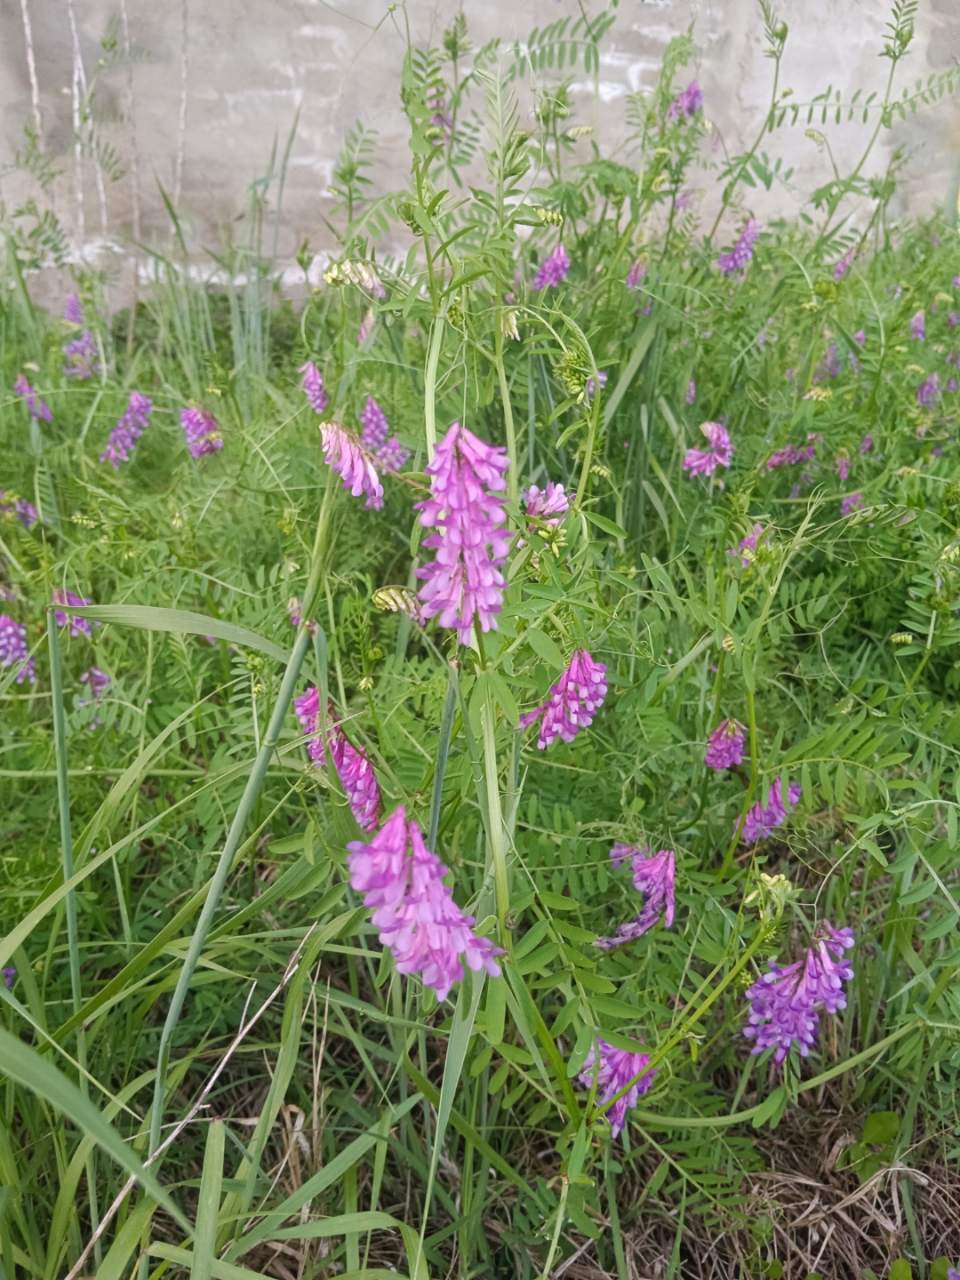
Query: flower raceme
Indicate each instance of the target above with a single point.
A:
(686, 104)
(471, 541)
(82, 357)
(746, 548)
(725, 748)
(72, 309)
(202, 431)
(389, 454)
(402, 883)
(548, 505)
(739, 256)
(720, 453)
(654, 876)
(78, 626)
(13, 648)
(572, 702)
(129, 429)
(353, 767)
(553, 270)
(36, 407)
(784, 1002)
(353, 463)
(313, 387)
(20, 509)
(760, 822)
(614, 1069)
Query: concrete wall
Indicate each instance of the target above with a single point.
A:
(252, 65)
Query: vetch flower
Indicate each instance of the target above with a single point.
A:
(353, 766)
(392, 455)
(615, 1069)
(19, 508)
(13, 648)
(637, 272)
(202, 431)
(294, 610)
(686, 104)
(82, 357)
(548, 505)
(78, 626)
(791, 454)
(366, 326)
(72, 310)
(96, 681)
(375, 425)
(866, 444)
(313, 387)
(465, 508)
(129, 429)
(9, 975)
(953, 319)
(36, 407)
(918, 326)
(746, 548)
(760, 822)
(354, 464)
(591, 387)
(402, 883)
(738, 258)
(843, 266)
(720, 453)
(850, 502)
(841, 464)
(860, 337)
(654, 876)
(572, 702)
(928, 389)
(784, 1003)
(554, 269)
(691, 391)
(725, 748)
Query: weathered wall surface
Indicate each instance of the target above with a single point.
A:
(253, 66)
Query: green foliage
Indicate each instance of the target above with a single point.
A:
(305, 1096)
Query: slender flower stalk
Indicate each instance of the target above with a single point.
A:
(572, 702)
(402, 883)
(614, 1069)
(471, 541)
(784, 1003)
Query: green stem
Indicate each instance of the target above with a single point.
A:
(507, 407)
(498, 851)
(244, 809)
(430, 386)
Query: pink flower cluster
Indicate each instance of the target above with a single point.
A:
(614, 1071)
(572, 702)
(850, 502)
(637, 273)
(390, 454)
(784, 1002)
(353, 767)
(720, 453)
(129, 429)
(725, 748)
(354, 464)
(738, 258)
(553, 270)
(548, 505)
(72, 310)
(82, 357)
(791, 454)
(471, 541)
(36, 407)
(202, 431)
(13, 648)
(402, 883)
(687, 103)
(654, 876)
(313, 387)
(760, 822)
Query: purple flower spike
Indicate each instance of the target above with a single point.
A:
(392, 456)
(918, 326)
(866, 444)
(739, 256)
(573, 701)
(375, 425)
(953, 319)
(746, 548)
(720, 453)
(553, 270)
(19, 508)
(691, 391)
(843, 266)
(471, 541)
(616, 1068)
(354, 768)
(760, 822)
(928, 389)
(841, 464)
(637, 273)
(96, 681)
(402, 883)
(82, 357)
(355, 465)
(654, 876)
(784, 1002)
(9, 975)
(36, 407)
(725, 748)
(72, 310)
(686, 104)
(78, 626)
(591, 387)
(202, 431)
(13, 648)
(313, 387)
(850, 502)
(549, 505)
(129, 429)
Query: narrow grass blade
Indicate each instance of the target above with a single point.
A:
(126, 1242)
(149, 618)
(443, 750)
(208, 1204)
